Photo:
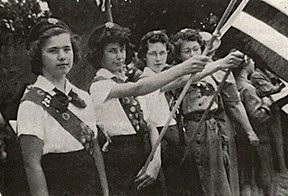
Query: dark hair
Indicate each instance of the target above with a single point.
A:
(103, 35)
(186, 34)
(39, 35)
(151, 38)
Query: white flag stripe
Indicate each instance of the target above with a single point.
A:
(281, 5)
(232, 18)
(262, 33)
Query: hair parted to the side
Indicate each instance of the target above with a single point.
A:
(187, 34)
(103, 35)
(153, 37)
(40, 33)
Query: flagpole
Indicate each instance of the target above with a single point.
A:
(187, 85)
(224, 28)
(109, 11)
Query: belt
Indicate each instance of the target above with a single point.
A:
(196, 116)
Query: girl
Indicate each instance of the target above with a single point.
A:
(56, 125)
(210, 145)
(119, 114)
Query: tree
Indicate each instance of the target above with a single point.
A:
(16, 19)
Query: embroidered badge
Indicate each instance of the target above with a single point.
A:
(52, 21)
(109, 25)
(184, 30)
(65, 116)
(157, 32)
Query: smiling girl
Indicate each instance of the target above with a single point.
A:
(119, 114)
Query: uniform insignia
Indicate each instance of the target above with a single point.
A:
(109, 25)
(52, 21)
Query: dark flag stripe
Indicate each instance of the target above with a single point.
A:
(269, 15)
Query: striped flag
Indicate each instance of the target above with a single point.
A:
(261, 31)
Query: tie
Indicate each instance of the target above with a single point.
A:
(60, 101)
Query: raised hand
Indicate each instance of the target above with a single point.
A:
(195, 64)
(232, 60)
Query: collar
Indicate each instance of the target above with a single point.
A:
(47, 86)
(107, 74)
(243, 78)
(148, 72)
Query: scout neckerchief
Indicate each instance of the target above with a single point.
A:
(57, 106)
(132, 110)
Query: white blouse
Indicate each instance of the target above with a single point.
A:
(34, 120)
(155, 105)
(110, 115)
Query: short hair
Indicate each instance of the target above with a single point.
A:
(103, 35)
(39, 34)
(151, 38)
(187, 34)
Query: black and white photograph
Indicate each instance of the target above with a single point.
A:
(144, 97)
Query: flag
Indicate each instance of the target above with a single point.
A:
(262, 28)
(261, 31)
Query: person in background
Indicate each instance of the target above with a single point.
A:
(255, 164)
(267, 84)
(56, 120)
(119, 113)
(210, 144)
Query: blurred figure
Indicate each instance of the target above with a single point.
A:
(267, 84)
(255, 163)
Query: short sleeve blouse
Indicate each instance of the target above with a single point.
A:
(110, 115)
(34, 120)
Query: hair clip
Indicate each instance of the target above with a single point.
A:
(52, 21)
(109, 25)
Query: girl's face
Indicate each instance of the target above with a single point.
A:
(189, 49)
(114, 57)
(156, 56)
(57, 56)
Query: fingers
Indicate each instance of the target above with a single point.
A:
(144, 181)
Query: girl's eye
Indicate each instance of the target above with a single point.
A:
(67, 49)
(53, 50)
(152, 54)
(196, 48)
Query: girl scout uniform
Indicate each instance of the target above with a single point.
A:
(66, 165)
(121, 121)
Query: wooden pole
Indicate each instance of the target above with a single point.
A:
(187, 85)
(109, 11)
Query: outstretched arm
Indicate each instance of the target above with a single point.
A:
(150, 84)
(233, 59)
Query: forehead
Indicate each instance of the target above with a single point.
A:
(156, 46)
(189, 44)
(61, 40)
(114, 45)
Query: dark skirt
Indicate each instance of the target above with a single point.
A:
(72, 173)
(125, 157)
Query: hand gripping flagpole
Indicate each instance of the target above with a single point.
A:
(220, 33)
(187, 85)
